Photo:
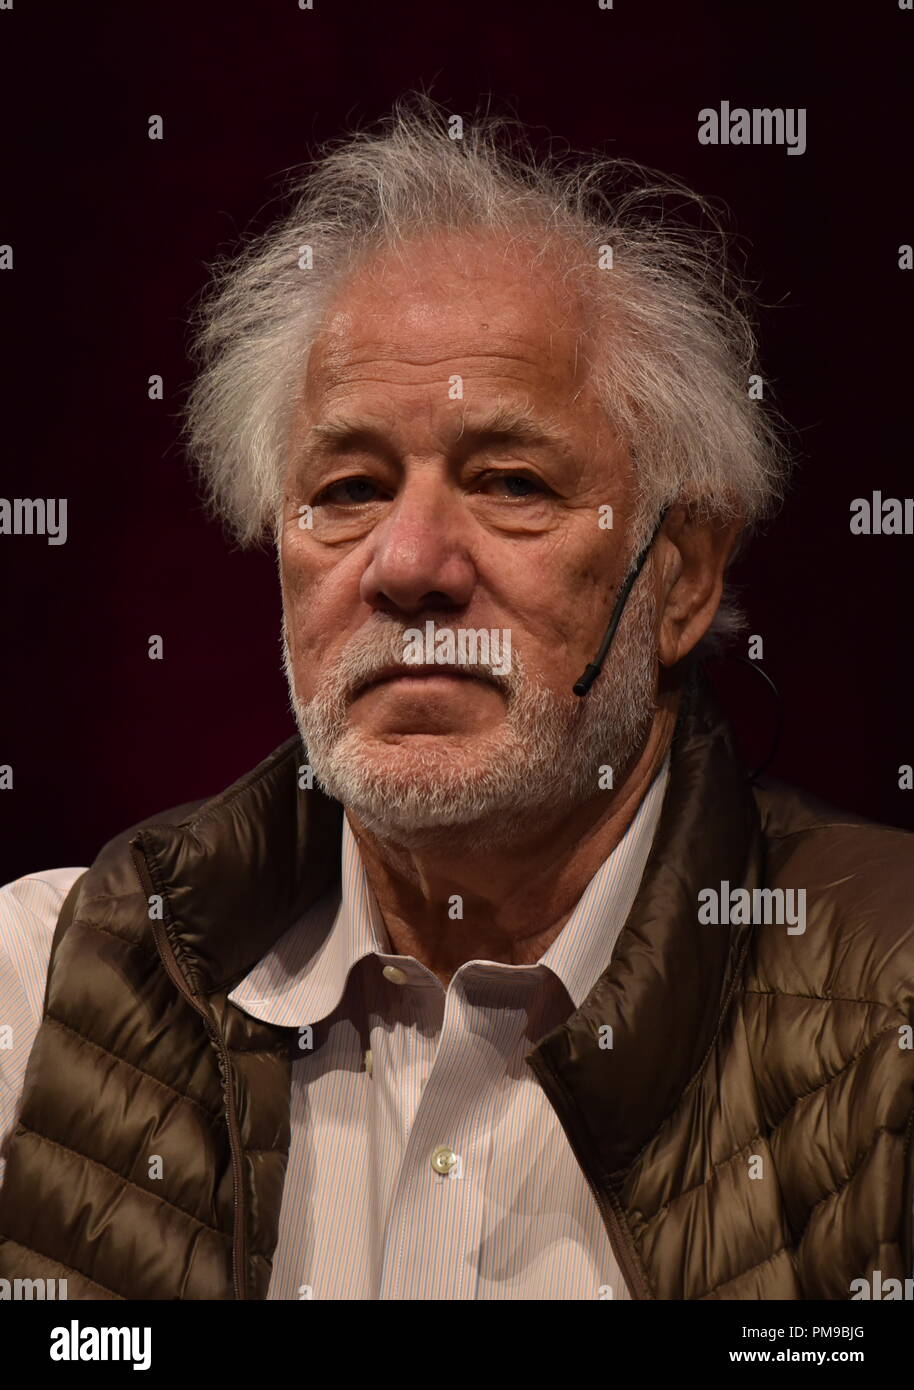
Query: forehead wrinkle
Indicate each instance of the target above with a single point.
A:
(337, 358)
(521, 423)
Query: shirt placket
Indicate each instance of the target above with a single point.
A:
(435, 1219)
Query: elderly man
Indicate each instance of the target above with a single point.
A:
(503, 980)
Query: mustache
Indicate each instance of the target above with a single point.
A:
(374, 655)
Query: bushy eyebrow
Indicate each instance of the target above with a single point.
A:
(504, 425)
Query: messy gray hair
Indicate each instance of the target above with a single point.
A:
(670, 356)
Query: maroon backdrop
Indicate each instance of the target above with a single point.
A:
(111, 233)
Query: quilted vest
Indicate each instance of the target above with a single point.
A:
(747, 1135)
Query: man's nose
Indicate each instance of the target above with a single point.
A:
(420, 557)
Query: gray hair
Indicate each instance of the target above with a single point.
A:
(670, 356)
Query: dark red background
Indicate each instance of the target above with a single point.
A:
(111, 233)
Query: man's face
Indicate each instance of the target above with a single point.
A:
(455, 460)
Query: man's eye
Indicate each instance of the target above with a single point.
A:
(347, 490)
(358, 490)
(503, 477)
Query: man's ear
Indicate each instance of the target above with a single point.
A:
(692, 556)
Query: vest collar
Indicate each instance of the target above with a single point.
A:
(243, 868)
(669, 979)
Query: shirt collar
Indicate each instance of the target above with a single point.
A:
(582, 950)
(303, 978)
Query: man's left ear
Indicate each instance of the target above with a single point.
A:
(692, 558)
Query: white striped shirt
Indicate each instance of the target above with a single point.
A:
(397, 1080)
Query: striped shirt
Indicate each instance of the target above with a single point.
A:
(425, 1160)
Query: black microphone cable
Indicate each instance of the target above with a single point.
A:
(583, 684)
(585, 681)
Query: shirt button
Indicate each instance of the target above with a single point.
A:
(443, 1160)
(394, 975)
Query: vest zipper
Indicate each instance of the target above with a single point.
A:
(631, 1272)
(176, 975)
(619, 1238)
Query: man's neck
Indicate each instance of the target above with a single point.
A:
(514, 899)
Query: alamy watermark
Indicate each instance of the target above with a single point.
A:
(881, 1288)
(28, 1289)
(39, 516)
(759, 906)
(467, 646)
(882, 516)
(75, 1343)
(758, 125)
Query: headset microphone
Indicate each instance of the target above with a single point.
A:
(583, 684)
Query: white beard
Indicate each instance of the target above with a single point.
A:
(544, 757)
